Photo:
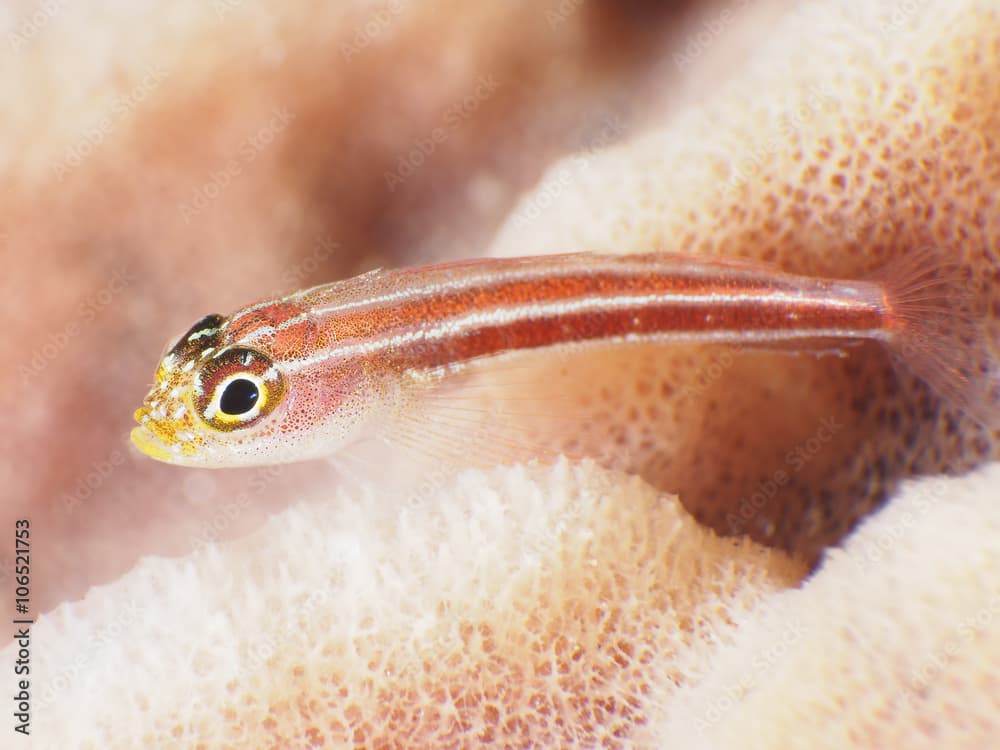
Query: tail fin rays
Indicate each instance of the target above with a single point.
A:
(939, 336)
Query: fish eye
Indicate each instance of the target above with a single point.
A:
(236, 388)
(239, 397)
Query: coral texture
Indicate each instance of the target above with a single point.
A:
(855, 135)
(554, 608)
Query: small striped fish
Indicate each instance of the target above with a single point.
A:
(301, 376)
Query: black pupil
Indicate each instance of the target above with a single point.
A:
(239, 397)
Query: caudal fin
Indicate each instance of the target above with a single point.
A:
(939, 335)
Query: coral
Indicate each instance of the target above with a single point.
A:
(853, 136)
(554, 607)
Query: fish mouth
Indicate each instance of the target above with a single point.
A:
(144, 439)
(160, 440)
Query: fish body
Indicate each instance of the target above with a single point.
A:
(301, 376)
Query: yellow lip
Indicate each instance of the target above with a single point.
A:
(144, 440)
